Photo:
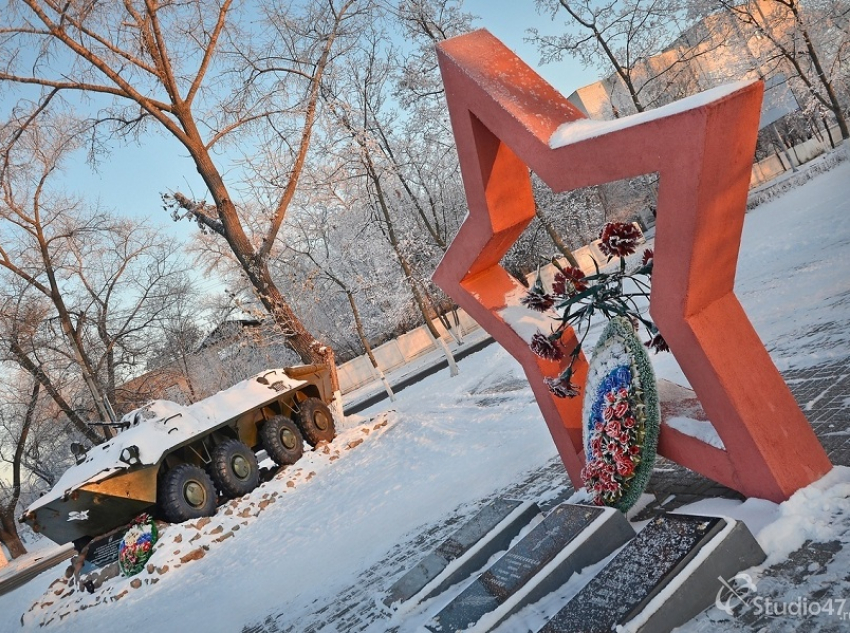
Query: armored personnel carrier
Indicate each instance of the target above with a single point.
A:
(175, 461)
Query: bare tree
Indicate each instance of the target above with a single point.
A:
(80, 288)
(31, 342)
(128, 279)
(389, 103)
(357, 105)
(34, 438)
(791, 32)
(178, 336)
(38, 227)
(575, 214)
(418, 144)
(424, 24)
(10, 494)
(622, 37)
(190, 70)
(333, 260)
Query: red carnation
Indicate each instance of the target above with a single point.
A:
(619, 239)
(561, 387)
(569, 281)
(625, 468)
(658, 344)
(536, 299)
(544, 348)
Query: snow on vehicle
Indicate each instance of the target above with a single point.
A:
(175, 459)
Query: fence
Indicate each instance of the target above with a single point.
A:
(400, 351)
(773, 166)
(410, 346)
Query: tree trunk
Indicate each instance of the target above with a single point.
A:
(792, 55)
(622, 72)
(308, 347)
(36, 372)
(8, 527)
(457, 335)
(442, 315)
(72, 334)
(821, 73)
(358, 327)
(784, 146)
(361, 333)
(9, 534)
(184, 368)
(374, 178)
(254, 264)
(405, 265)
(433, 229)
(828, 133)
(556, 239)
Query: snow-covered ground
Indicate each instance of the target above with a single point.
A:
(317, 548)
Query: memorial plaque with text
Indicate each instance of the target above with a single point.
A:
(638, 572)
(541, 545)
(104, 551)
(537, 550)
(490, 531)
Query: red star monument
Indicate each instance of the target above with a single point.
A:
(507, 120)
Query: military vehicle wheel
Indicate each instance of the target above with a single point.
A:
(187, 492)
(282, 440)
(234, 468)
(315, 421)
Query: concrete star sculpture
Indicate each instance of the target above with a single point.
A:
(507, 120)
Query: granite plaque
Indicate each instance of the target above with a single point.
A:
(568, 539)
(103, 551)
(490, 531)
(653, 562)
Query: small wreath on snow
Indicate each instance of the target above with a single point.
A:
(621, 418)
(137, 545)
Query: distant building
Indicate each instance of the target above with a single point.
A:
(232, 332)
(166, 383)
(716, 50)
(244, 347)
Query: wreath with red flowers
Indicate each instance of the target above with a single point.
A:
(137, 545)
(621, 418)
